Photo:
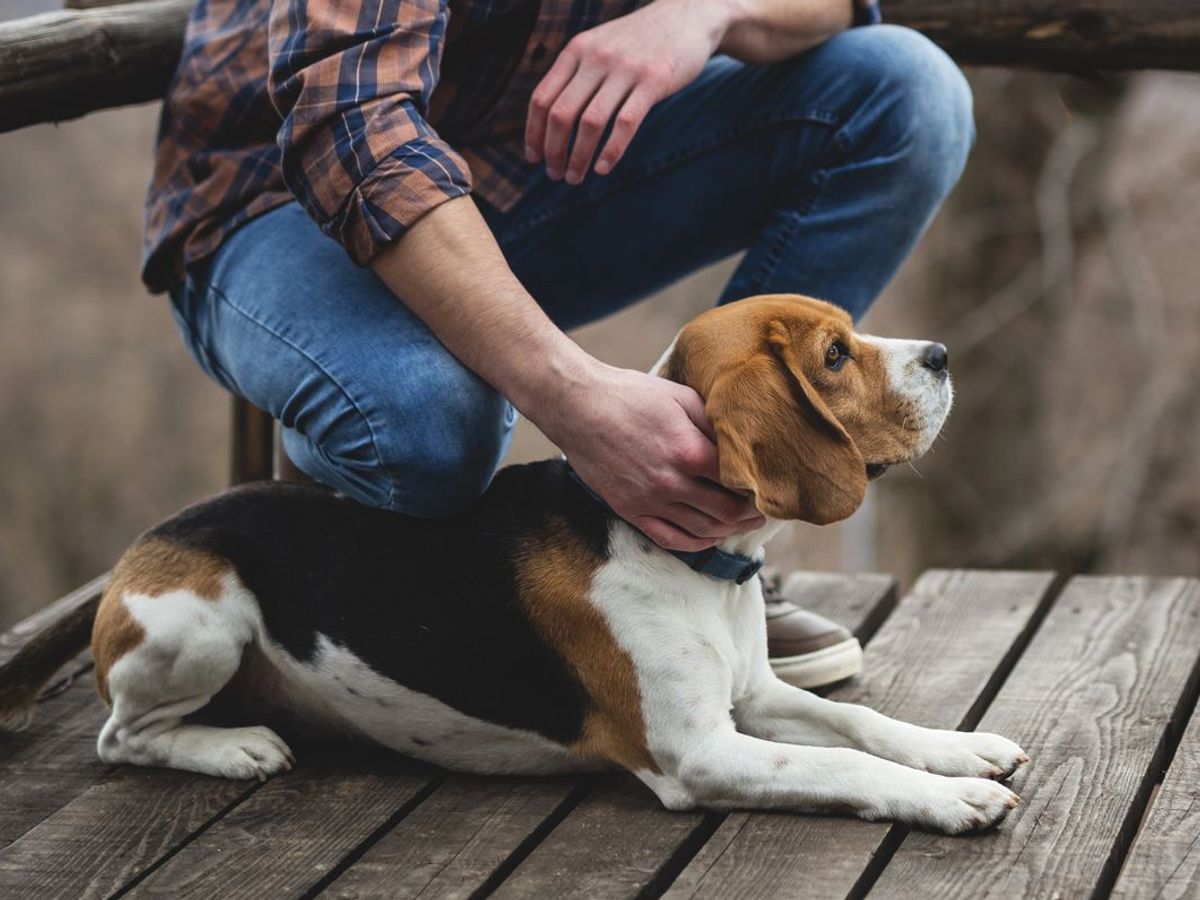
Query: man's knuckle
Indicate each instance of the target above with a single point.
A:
(592, 120)
(655, 72)
(561, 117)
(628, 118)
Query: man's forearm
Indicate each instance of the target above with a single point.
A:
(449, 271)
(766, 31)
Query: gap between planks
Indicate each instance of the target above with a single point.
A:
(1096, 700)
(935, 662)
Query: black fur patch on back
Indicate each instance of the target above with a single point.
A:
(428, 603)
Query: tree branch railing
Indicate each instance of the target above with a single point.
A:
(62, 65)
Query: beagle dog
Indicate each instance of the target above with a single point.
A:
(537, 632)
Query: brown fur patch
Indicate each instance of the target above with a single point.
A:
(554, 588)
(152, 567)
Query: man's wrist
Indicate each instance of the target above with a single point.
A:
(550, 373)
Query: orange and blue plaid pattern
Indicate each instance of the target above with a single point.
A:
(333, 103)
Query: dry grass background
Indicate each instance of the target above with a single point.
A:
(1062, 274)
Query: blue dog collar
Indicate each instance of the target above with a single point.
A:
(713, 562)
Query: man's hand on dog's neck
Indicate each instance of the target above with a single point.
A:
(638, 440)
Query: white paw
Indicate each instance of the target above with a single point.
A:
(256, 752)
(970, 753)
(958, 805)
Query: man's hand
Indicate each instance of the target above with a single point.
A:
(644, 444)
(614, 73)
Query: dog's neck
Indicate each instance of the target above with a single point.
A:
(751, 543)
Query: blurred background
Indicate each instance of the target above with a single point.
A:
(1064, 275)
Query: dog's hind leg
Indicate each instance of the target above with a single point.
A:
(162, 656)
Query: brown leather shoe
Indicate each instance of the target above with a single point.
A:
(807, 650)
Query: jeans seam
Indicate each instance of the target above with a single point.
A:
(198, 348)
(324, 371)
(802, 207)
(670, 160)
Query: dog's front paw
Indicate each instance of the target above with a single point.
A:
(970, 753)
(961, 805)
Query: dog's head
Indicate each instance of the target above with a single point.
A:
(806, 410)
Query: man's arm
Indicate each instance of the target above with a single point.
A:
(352, 81)
(614, 73)
(636, 439)
(766, 31)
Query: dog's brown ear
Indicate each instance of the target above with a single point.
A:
(778, 440)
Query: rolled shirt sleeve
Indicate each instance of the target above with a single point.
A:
(352, 81)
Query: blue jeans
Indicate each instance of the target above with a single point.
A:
(826, 169)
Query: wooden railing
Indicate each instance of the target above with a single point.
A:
(62, 65)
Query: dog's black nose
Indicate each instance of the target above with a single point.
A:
(936, 358)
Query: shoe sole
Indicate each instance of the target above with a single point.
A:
(821, 667)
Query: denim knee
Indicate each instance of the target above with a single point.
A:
(442, 452)
(918, 109)
(425, 441)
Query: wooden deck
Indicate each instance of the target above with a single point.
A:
(1096, 678)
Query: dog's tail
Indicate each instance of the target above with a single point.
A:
(56, 637)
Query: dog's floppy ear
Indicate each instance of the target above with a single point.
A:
(778, 440)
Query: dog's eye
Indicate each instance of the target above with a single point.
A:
(836, 356)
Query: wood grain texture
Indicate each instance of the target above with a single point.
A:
(456, 840)
(618, 840)
(1099, 34)
(860, 602)
(930, 663)
(1091, 701)
(112, 832)
(292, 833)
(61, 65)
(51, 762)
(1165, 859)
(71, 614)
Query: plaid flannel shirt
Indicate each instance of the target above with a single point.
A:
(338, 104)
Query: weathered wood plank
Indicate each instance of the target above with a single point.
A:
(1099, 34)
(1091, 700)
(285, 838)
(479, 834)
(619, 841)
(457, 840)
(860, 602)
(51, 762)
(69, 618)
(1165, 859)
(933, 663)
(112, 832)
(61, 65)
